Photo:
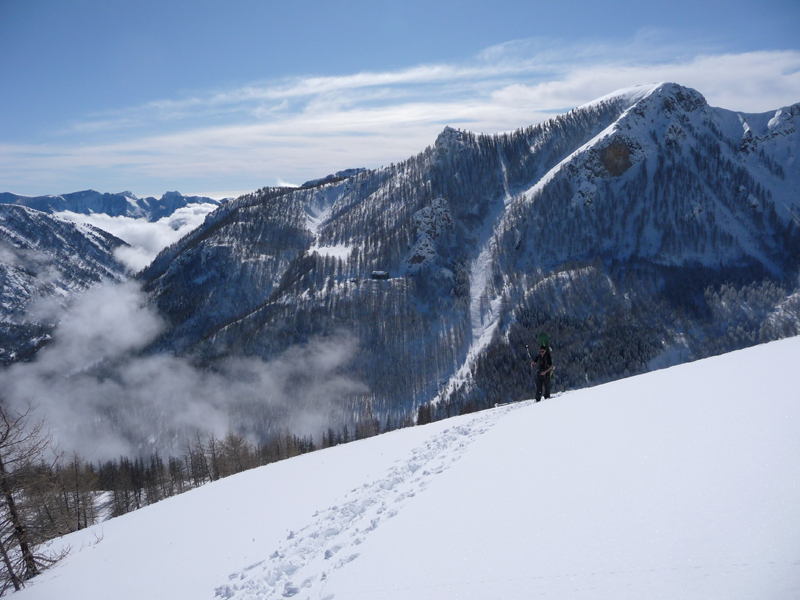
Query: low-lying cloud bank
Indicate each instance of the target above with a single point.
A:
(146, 239)
(103, 397)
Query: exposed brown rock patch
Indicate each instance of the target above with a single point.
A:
(616, 158)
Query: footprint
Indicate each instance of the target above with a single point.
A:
(343, 526)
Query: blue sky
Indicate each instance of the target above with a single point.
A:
(219, 98)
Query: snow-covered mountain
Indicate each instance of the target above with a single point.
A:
(43, 261)
(676, 484)
(124, 204)
(640, 230)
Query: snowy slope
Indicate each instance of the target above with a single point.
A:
(682, 483)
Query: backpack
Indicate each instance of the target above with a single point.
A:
(545, 341)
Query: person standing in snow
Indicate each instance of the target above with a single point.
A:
(543, 366)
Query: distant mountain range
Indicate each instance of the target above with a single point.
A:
(44, 257)
(124, 204)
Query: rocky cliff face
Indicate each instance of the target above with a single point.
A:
(432, 226)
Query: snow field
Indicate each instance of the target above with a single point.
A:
(682, 483)
(678, 484)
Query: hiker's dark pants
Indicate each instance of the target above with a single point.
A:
(542, 383)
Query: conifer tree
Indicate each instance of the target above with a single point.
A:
(24, 442)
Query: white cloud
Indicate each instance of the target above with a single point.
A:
(751, 82)
(146, 239)
(103, 396)
(308, 127)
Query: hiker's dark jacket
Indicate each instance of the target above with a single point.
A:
(543, 362)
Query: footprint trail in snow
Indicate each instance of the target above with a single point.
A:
(302, 563)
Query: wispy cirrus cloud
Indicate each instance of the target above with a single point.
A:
(750, 82)
(306, 127)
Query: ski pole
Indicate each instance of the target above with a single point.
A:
(530, 360)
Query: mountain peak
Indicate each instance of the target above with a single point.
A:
(450, 135)
(673, 96)
(677, 96)
(451, 141)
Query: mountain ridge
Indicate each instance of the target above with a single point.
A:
(651, 176)
(123, 204)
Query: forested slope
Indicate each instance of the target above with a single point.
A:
(625, 228)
